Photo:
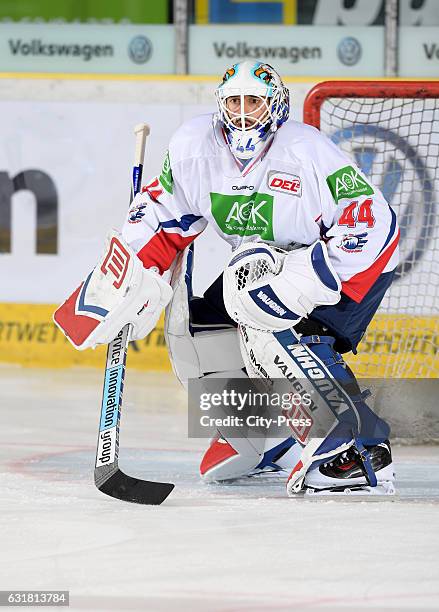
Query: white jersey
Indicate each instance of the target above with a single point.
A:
(302, 188)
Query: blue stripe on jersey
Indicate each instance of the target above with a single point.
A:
(184, 224)
(391, 231)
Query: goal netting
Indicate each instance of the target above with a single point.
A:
(391, 130)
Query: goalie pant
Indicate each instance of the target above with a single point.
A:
(327, 332)
(204, 349)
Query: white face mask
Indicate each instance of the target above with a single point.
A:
(252, 103)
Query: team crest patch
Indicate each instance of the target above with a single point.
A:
(136, 213)
(353, 243)
(284, 182)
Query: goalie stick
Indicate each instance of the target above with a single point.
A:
(108, 477)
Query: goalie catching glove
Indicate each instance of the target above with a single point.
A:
(272, 290)
(118, 291)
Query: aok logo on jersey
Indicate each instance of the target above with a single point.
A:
(348, 183)
(165, 177)
(244, 215)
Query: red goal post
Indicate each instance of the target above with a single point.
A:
(364, 89)
(391, 130)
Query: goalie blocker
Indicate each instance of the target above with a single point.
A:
(118, 291)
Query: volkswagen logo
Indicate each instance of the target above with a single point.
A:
(349, 51)
(140, 49)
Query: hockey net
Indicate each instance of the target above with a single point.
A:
(391, 130)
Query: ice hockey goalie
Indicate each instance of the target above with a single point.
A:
(315, 247)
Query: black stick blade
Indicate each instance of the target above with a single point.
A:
(129, 489)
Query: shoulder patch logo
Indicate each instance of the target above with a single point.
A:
(347, 182)
(353, 243)
(165, 177)
(290, 184)
(136, 213)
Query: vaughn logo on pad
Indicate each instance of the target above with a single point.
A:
(348, 183)
(244, 215)
(271, 303)
(285, 183)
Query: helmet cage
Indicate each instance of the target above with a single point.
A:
(242, 120)
(266, 87)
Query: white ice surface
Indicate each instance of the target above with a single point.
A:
(242, 547)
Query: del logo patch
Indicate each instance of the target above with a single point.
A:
(348, 183)
(244, 215)
(285, 183)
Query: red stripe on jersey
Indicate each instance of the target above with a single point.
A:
(357, 286)
(161, 250)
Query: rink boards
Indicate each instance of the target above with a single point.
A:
(29, 337)
(395, 345)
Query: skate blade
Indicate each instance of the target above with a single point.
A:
(268, 472)
(383, 491)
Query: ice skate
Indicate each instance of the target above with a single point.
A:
(345, 474)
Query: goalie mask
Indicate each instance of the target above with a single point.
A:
(252, 103)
